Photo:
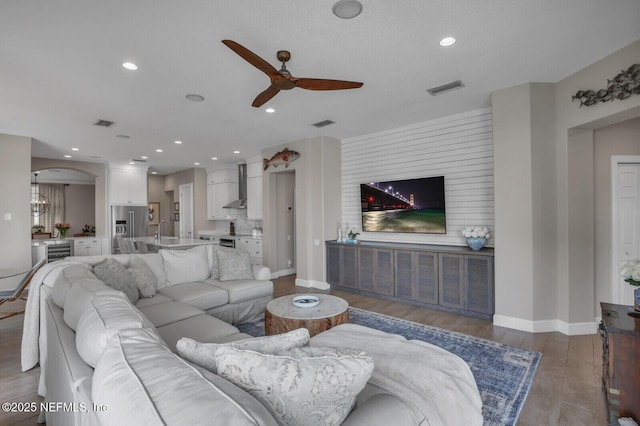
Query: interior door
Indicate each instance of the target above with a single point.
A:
(626, 232)
(186, 210)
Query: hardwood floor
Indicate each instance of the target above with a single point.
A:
(566, 389)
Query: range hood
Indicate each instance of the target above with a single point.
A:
(241, 202)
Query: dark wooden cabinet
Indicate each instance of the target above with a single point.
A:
(442, 277)
(620, 334)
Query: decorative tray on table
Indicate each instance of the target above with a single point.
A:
(305, 301)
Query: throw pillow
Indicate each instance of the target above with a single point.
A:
(185, 266)
(234, 264)
(302, 386)
(115, 275)
(145, 279)
(204, 354)
(212, 256)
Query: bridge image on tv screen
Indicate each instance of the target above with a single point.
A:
(411, 205)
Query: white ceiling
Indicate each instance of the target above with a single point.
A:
(60, 68)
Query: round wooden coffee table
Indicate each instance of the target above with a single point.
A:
(282, 316)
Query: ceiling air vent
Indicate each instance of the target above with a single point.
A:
(137, 160)
(104, 123)
(323, 123)
(434, 91)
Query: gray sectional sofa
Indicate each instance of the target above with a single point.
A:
(109, 360)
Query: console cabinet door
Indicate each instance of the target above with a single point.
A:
(342, 266)
(376, 271)
(479, 284)
(416, 275)
(451, 286)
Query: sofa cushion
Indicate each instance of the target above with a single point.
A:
(65, 280)
(155, 300)
(154, 261)
(243, 290)
(143, 383)
(203, 354)
(381, 409)
(234, 264)
(204, 328)
(167, 313)
(185, 266)
(199, 294)
(302, 386)
(212, 257)
(106, 315)
(79, 296)
(115, 275)
(145, 279)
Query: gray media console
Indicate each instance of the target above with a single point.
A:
(450, 278)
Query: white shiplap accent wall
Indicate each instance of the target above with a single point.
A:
(458, 147)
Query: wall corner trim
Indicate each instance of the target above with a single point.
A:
(312, 284)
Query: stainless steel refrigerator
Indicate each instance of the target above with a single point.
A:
(128, 222)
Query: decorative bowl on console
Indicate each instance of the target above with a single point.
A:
(476, 236)
(476, 243)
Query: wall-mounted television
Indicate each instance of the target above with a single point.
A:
(410, 205)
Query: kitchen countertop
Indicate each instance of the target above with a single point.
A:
(172, 242)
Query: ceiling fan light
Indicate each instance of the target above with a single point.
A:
(347, 9)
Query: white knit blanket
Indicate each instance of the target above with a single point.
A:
(436, 382)
(46, 275)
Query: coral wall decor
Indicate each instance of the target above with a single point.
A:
(622, 86)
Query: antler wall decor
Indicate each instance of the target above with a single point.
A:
(622, 86)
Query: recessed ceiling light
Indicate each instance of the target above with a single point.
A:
(347, 9)
(196, 164)
(195, 98)
(75, 149)
(132, 162)
(123, 136)
(67, 156)
(270, 110)
(154, 173)
(236, 152)
(177, 142)
(158, 150)
(214, 158)
(144, 157)
(130, 66)
(447, 41)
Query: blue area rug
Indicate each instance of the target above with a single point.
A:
(503, 373)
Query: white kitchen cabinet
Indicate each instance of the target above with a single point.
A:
(254, 188)
(87, 246)
(222, 188)
(253, 246)
(218, 195)
(127, 187)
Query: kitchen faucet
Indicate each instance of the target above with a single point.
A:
(158, 234)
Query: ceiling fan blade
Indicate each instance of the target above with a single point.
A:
(322, 84)
(252, 58)
(263, 97)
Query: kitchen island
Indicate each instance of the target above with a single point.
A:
(171, 243)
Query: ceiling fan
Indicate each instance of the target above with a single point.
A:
(282, 79)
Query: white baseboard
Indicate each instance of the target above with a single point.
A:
(312, 284)
(545, 326)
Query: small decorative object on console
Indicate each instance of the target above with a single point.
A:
(351, 236)
(305, 301)
(476, 236)
(631, 273)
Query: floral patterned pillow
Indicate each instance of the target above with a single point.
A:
(234, 264)
(204, 354)
(302, 386)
